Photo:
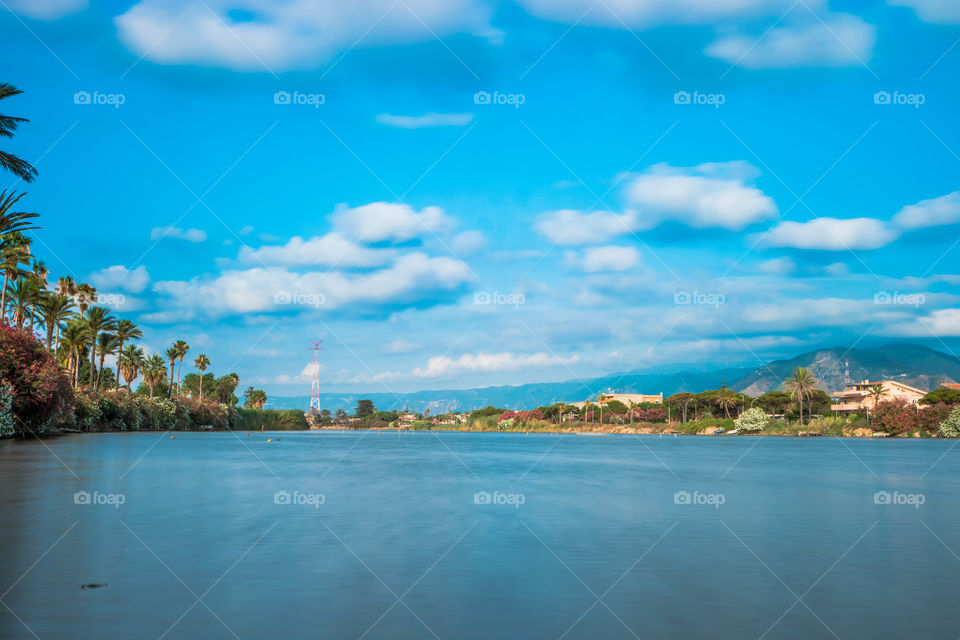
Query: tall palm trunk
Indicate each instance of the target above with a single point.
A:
(201, 387)
(100, 371)
(3, 296)
(179, 371)
(119, 353)
(93, 358)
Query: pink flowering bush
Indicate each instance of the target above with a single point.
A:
(894, 417)
(41, 392)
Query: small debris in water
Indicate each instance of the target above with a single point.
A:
(93, 585)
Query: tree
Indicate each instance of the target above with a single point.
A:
(181, 348)
(85, 295)
(108, 344)
(202, 362)
(24, 293)
(364, 408)
(154, 370)
(8, 125)
(775, 401)
(752, 420)
(944, 395)
(53, 310)
(126, 330)
(950, 427)
(226, 385)
(601, 399)
(254, 398)
(800, 385)
(98, 319)
(726, 399)
(75, 340)
(876, 393)
(131, 362)
(172, 354)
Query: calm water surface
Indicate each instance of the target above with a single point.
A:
(382, 538)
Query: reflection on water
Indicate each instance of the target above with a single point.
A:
(477, 536)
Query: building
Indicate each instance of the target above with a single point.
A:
(952, 385)
(625, 398)
(856, 397)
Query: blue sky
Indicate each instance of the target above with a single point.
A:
(465, 193)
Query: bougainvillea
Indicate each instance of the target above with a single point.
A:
(521, 416)
(41, 392)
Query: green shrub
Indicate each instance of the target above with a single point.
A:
(950, 428)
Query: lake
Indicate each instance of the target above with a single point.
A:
(466, 535)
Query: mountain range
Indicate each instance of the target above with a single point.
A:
(911, 364)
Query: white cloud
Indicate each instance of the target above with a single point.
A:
(468, 242)
(570, 227)
(46, 9)
(930, 213)
(940, 11)
(839, 40)
(778, 266)
(385, 221)
(410, 279)
(190, 235)
(831, 234)
(938, 323)
(481, 362)
(708, 195)
(269, 35)
(611, 258)
(426, 120)
(401, 346)
(646, 13)
(330, 249)
(118, 277)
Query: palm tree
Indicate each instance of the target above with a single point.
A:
(24, 293)
(85, 295)
(14, 253)
(40, 272)
(800, 385)
(631, 407)
(131, 362)
(107, 344)
(66, 286)
(201, 363)
(601, 399)
(154, 370)
(8, 124)
(726, 399)
(172, 354)
(126, 330)
(53, 309)
(877, 392)
(182, 349)
(75, 340)
(98, 319)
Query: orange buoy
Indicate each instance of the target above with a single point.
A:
(171, 437)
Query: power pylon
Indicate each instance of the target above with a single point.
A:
(315, 383)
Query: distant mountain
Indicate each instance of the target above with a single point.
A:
(527, 395)
(912, 364)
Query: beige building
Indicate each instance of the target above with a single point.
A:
(856, 397)
(625, 398)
